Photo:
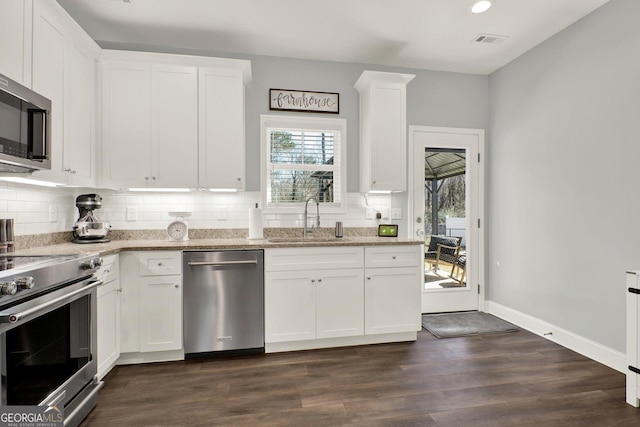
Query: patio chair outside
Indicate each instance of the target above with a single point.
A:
(443, 250)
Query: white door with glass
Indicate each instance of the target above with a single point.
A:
(446, 199)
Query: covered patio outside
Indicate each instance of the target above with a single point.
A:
(445, 215)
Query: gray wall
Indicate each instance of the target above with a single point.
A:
(433, 98)
(563, 187)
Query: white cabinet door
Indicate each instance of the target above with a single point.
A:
(49, 53)
(383, 133)
(221, 144)
(126, 124)
(290, 301)
(15, 40)
(129, 306)
(305, 305)
(174, 118)
(108, 326)
(392, 300)
(80, 134)
(339, 303)
(160, 313)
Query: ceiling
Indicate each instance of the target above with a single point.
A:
(422, 34)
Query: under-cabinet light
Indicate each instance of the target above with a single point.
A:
(223, 190)
(30, 181)
(480, 6)
(161, 190)
(380, 191)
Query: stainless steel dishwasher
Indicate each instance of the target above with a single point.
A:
(223, 297)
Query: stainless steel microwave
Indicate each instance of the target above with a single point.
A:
(25, 130)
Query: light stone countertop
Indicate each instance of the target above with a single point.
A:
(116, 246)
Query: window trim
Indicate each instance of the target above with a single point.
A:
(302, 122)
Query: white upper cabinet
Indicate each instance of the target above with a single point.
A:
(170, 121)
(149, 125)
(221, 145)
(15, 40)
(126, 124)
(79, 160)
(383, 130)
(49, 51)
(63, 70)
(174, 125)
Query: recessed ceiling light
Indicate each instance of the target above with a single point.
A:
(480, 6)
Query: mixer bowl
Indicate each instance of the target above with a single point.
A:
(91, 230)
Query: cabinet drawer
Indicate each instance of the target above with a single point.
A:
(110, 270)
(297, 259)
(393, 256)
(159, 263)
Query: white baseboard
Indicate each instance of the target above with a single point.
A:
(591, 349)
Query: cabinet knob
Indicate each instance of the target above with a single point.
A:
(159, 264)
(176, 286)
(153, 178)
(368, 277)
(319, 280)
(239, 179)
(373, 182)
(146, 178)
(393, 257)
(313, 280)
(119, 290)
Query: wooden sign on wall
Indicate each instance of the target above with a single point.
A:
(302, 100)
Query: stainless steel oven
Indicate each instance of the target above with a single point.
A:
(48, 333)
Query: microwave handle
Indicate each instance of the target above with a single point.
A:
(38, 121)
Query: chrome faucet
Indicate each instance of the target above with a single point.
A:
(306, 231)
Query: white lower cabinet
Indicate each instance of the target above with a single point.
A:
(306, 305)
(392, 289)
(307, 298)
(108, 315)
(392, 300)
(160, 313)
(151, 305)
(329, 294)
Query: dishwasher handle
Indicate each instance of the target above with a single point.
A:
(222, 263)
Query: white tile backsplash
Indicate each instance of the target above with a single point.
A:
(30, 207)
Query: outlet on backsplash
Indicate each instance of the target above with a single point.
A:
(132, 213)
(53, 213)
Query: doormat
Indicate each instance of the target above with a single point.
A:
(450, 325)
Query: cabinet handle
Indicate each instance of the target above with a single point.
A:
(119, 290)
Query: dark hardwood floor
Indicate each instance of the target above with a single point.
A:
(507, 379)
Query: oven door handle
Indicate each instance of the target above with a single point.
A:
(6, 317)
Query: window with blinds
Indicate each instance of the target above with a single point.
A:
(303, 162)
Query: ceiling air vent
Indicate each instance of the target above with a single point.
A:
(490, 39)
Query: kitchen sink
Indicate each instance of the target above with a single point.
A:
(306, 239)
